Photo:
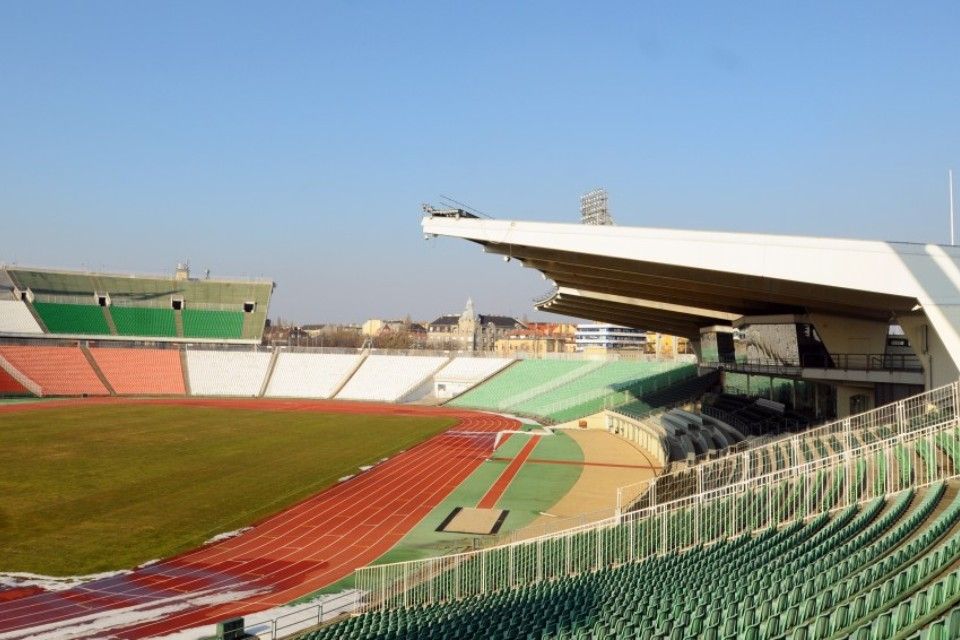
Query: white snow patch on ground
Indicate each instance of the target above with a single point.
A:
(291, 618)
(226, 535)
(208, 631)
(100, 623)
(52, 583)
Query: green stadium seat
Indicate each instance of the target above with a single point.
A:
(83, 319)
(203, 323)
(144, 321)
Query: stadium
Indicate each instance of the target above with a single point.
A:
(301, 337)
(797, 478)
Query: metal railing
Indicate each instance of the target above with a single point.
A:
(844, 361)
(725, 505)
(831, 483)
(898, 418)
(306, 617)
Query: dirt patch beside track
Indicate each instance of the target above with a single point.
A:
(596, 489)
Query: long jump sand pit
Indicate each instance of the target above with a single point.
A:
(474, 521)
(609, 462)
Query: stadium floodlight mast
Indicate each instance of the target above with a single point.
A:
(593, 208)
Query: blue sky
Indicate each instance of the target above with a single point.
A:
(297, 140)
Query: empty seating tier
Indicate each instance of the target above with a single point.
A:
(590, 392)
(9, 386)
(753, 416)
(870, 571)
(245, 302)
(58, 371)
(390, 378)
(203, 323)
(226, 373)
(79, 319)
(516, 382)
(15, 317)
(144, 321)
(472, 370)
(141, 371)
(310, 375)
(688, 389)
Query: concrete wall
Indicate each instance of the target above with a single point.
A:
(845, 393)
(938, 367)
(769, 342)
(850, 335)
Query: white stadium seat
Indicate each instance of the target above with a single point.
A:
(15, 317)
(472, 370)
(310, 375)
(390, 378)
(226, 373)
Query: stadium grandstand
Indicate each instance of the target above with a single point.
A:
(848, 530)
(763, 524)
(799, 478)
(105, 306)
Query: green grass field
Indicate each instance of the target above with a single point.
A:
(89, 489)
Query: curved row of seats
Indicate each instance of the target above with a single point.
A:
(56, 371)
(882, 564)
(689, 389)
(79, 371)
(686, 435)
(883, 568)
(563, 390)
(773, 456)
(754, 416)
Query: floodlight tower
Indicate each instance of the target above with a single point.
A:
(593, 208)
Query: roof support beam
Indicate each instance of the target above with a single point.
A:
(752, 290)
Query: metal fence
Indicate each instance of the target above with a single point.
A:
(756, 499)
(306, 617)
(913, 414)
(851, 361)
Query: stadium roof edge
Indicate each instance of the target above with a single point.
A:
(681, 279)
(130, 274)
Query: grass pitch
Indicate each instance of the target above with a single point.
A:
(90, 489)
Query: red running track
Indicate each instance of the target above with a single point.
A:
(489, 500)
(304, 548)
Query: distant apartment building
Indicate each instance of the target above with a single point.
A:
(469, 331)
(538, 338)
(604, 337)
(601, 337)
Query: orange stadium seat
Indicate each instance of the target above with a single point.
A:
(9, 385)
(60, 371)
(141, 371)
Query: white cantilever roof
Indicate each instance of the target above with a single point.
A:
(678, 281)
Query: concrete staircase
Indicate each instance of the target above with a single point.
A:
(96, 369)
